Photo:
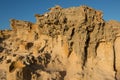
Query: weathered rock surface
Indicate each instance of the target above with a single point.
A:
(64, 44)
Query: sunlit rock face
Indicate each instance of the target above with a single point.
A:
(64, 44)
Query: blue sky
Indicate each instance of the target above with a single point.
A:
(26, 9)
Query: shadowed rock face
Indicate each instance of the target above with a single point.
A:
(64, 44)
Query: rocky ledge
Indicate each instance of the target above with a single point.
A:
(64, 44)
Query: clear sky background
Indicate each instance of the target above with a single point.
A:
(26, 9)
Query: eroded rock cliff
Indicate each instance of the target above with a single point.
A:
(64, 44)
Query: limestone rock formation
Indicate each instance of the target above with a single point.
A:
(64, 44)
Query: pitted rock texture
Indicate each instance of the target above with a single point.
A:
(64, 44)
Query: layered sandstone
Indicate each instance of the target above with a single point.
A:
(64, 44)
